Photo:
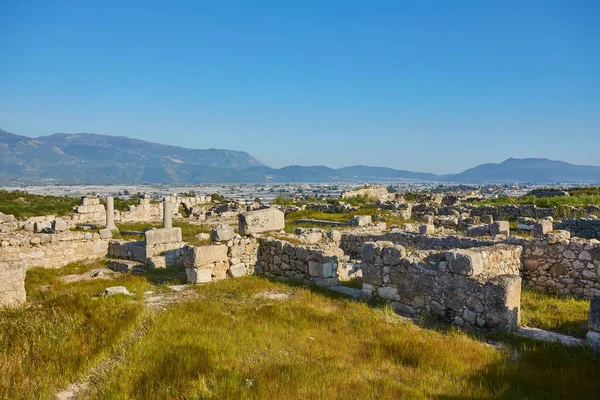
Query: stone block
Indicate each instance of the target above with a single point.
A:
(464, 262)
(542, 228)
(261, 221)
(500, 228)
(503, 302)
(198, 275)
(58, 225)
(427, 229)
(594, 315)
(361, 220)
(155, 237)
(122, 266)
(198, 256)
(322, 270)
(222, 233)
(6, 218)
(237, 270)
(105, 233)
(12, 284)
(42, 226)
(114, 290)
(593, 339)
(156, 262)
(558, 236)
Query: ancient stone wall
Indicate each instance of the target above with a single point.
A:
(583, 228)
(352, 243)
(567, 267)
(209, 263)
(52, 250)
(470, 288)
(316, 264)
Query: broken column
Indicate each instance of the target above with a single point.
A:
(110, 214)
(167, 214)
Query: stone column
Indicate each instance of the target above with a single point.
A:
(110, 214)
(167, 214)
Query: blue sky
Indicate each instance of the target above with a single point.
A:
(433, 86)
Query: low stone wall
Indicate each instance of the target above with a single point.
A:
(52, 250)
(470, 288)
(583, 228)
(352, 243)
(512, 212)
(567, 267)
(316, 264)
(219, 261)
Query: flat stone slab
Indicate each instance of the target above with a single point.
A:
(547, 336)
(123, 266)
(352, 292)
(178, 288)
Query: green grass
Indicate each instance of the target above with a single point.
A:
(377, 216)
(546, 202)
(565, 315)
(232, 344)
(63, 331)
(188, 231)
(24, 205)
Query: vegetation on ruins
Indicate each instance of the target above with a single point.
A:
(233, 340)
(188, 231)
(23, 205)
(546, 202)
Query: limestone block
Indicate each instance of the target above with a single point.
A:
(155, 237)
(156, 262)
(542, 228)
(322, 270)
(361, 220)
(503, 302)
(594, 315)
(202, 236)
(111, 291)
(42, 225)
(464, 262)
(260, 221)
(6, 218)
(558, 236)
(122, 266)
(198, 275)
(12, 283)
(427, 229)
(197, 256)
(222, 233)
(105, 233)
(237, 270)
(500, 228)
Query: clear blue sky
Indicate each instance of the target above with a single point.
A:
(433, 86)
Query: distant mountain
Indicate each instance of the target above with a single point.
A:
(92, 158)
(528, 170)
(100, 159)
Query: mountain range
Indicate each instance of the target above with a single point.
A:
(85, 158)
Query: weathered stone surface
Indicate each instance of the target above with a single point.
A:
(12, 283)
(198, 256)
(542, 228)
(156, 262)
(593, 339)
(122, 266)
(427, 229)
(114, 290)
(105, 233)
(222, 233)
(261, 221)
(464, 262)
(59, 225)
(203, 236)
(360, 220)
(500, 228)
(558, 236)
(198, 275)
(594, 315)
(155, 237)
(237, 270)
(503, 302)
(487, 219)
